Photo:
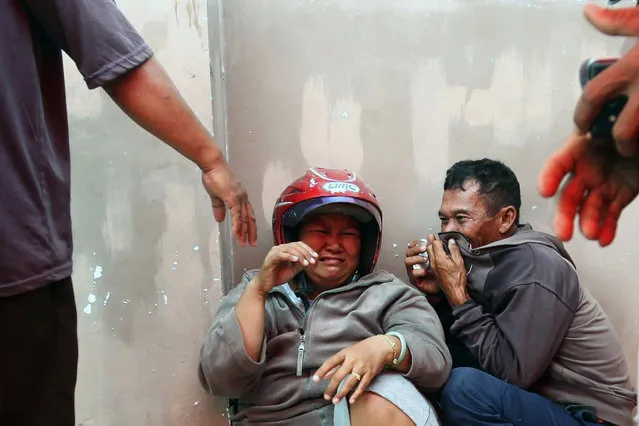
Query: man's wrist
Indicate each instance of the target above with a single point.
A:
(209, 157)
(435, 297)
(458, 297)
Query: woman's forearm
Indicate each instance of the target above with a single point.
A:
(250, 312)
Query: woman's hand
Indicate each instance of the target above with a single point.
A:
(361, 362)
(282, 263)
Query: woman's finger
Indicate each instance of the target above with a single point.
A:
(335, 381)
(353, 379)
(310, 254)
(330, 364)
(301, 254)
(286, 256)
(367, 378)
(330, 373)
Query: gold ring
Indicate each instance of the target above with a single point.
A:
(357, 376)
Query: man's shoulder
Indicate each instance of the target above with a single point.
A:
(531, 263)
(527, 251)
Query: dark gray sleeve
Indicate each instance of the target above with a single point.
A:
(95, 34)
(517, 341)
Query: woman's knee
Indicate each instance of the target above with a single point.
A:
(371, 409)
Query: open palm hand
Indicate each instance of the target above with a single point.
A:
(601, 184)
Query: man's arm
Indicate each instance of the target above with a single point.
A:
(517, 341)
(110, 53)
(150, 98)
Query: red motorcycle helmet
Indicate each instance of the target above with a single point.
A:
(331, 191)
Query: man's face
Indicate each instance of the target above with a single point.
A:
(464, 210)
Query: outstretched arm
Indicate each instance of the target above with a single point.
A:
(149, 97)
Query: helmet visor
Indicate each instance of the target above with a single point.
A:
(362, 211)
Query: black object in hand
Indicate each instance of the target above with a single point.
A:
(604, 121)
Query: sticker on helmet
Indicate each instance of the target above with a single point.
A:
(340, 187)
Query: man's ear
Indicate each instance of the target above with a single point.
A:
(508, 218)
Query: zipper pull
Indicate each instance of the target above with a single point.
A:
(300, 352)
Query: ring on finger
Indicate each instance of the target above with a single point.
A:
(357, 376)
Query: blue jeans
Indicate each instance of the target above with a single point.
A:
(475, 398)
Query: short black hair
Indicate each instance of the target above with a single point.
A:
(497, 182)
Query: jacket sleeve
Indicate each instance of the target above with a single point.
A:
(95, 34)
(225, 367)
(411, 315)
(461, 356)
(518, 339)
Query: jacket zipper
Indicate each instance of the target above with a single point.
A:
(300, 352)
(301, 348)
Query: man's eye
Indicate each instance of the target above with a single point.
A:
(443, 219)
(460, 218)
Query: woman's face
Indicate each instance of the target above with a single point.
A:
(336, 239)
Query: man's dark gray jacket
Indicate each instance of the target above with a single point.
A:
(531, 323)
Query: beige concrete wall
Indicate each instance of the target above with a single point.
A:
(394, 90)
